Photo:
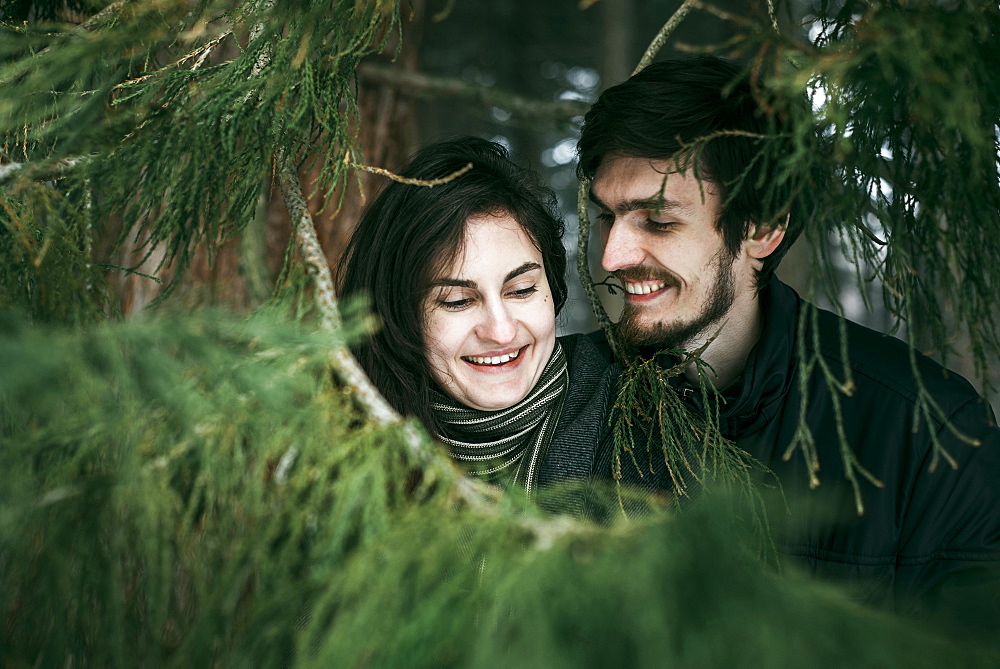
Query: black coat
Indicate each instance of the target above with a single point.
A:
(926, 540)
(570, 456)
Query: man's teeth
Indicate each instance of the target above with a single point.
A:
(643, 289)
(495, 360)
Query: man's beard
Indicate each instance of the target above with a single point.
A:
(678, 334)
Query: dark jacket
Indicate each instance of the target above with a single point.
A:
(927, 539)
(584, 414)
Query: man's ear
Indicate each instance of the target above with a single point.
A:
(763, 241)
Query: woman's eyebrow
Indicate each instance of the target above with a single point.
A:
(466, 283)
(457, 283)
(526, 267)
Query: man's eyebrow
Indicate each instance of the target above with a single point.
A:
(526, 267)
(596, 200)
(656, 202)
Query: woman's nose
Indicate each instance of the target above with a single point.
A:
(498, 326)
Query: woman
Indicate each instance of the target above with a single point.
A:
(466, 278)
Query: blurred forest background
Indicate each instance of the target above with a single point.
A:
(520, 72)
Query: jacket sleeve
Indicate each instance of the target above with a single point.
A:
(949, 557)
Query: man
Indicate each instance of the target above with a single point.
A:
(696, 258)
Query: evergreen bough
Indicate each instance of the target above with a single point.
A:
(202, 490)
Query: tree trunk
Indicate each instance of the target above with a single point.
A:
(242, 271)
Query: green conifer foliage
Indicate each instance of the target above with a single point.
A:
(902, 161)
(174, 485)
(200, 491)
(168, 114)
(197, 492)
(46, 244)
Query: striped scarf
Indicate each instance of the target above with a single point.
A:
(507, 444)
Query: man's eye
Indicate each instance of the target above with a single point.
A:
(660, 225)
(522, 293)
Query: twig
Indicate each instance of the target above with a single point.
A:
(326, 300)
(561, 111)
(773, 16)
(92, 22)
(719, 13)
(613, 288)
(444, 13)
(583, 265)
(307, 240)
(662, 36)
(202, 52)
(427, 183)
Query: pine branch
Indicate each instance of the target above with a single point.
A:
(326, 301)
(664, 34)
(96, 20)
(325, 295)
(40, 170)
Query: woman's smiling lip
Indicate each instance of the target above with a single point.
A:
(504, 359)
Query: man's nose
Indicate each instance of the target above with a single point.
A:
(498, 325)
(621, 247)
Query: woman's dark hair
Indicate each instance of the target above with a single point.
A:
(658, 114)
(409, 233)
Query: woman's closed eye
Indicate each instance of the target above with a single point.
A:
(522, 293)
(456, 304)
(462, 299)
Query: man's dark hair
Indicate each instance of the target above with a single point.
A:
(661, 113)
(409, 233)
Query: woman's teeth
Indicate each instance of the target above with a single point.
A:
(643, 289)
(496, 360)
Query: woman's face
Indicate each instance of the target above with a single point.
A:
(489, 319)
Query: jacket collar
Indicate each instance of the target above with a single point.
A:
(758, 394)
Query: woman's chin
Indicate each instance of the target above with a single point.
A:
(486, 396)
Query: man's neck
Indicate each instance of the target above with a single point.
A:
(735, 337)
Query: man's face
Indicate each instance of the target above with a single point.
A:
(660, 239)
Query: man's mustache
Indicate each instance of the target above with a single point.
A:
(642, 273)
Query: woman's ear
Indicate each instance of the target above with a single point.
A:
(763, 241)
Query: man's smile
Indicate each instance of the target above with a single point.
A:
(638, 292)
(643, 284)
(644, 287)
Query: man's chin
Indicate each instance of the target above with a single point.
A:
(644, 335)
(657, 336)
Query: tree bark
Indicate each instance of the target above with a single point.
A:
(240, 274)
